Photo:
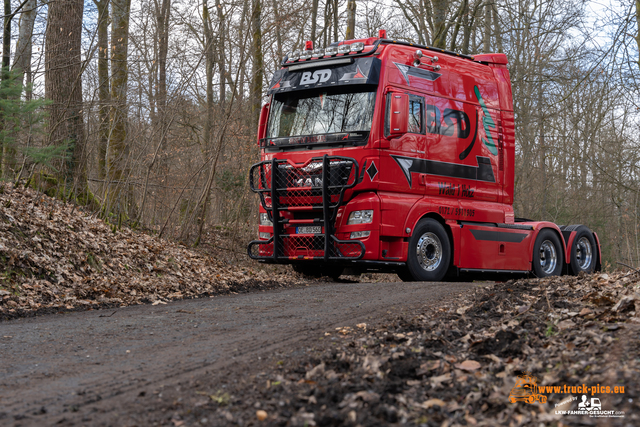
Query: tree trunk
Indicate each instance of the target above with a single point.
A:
(439, 23)
(335, 20)
(460, 20)
(638, 29)
(117, 160)
(278, 30)
(6, 39)
(63, 85)
(497, 29)
(486, 43)
(22, 58)
(6, 156)
(314, 19)
(162, 12)
(209, 61)
(256, 81)
(103, 85)
(222, 30)
(351, 20)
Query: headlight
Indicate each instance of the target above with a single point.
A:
(264, 236)
(360, 234)
(264, 220)
(360, 217)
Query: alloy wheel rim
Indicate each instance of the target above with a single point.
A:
(429, 251)
(548, 257)
(584, 254)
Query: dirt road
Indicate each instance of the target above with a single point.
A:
(90, 367)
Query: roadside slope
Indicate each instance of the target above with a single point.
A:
(54, 256)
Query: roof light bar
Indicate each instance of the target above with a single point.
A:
(306, 54)
(313, 64)
(294, 56)
(331, 50)
(357, 47)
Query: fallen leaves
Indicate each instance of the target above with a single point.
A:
(55, 256)
(455, 364)
(468, 365)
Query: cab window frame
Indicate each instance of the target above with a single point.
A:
(419, 100)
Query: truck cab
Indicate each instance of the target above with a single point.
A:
(384, 155)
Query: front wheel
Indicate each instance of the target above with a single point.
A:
(547, 254)
(429, 252)
(584, 252)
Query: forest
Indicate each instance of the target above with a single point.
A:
(145, 112)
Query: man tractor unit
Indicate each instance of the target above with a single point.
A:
(383, 155)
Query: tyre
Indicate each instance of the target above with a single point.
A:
(429, 252)
(584, 252)
(547, 254)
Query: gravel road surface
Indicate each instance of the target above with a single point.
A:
(93, 367)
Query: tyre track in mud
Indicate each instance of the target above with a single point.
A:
(46, 376)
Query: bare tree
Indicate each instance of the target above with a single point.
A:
(63, 86)
(351, 19)
(22, 58)
(118, 170)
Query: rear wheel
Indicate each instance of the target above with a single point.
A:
(429, 252)
(547, 254)
(584, 252)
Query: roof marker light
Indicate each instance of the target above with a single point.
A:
(382, 34)
(318, 53)
(308, 45)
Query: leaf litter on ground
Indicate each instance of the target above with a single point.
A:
(54, 256)
(455, 365)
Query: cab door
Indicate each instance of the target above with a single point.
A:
(400, 188)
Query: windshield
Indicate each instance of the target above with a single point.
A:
(320, 112)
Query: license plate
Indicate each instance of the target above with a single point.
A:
(314, 229)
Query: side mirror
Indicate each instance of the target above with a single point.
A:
(262, 124)
(398, 114)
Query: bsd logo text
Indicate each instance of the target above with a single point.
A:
(317, 76)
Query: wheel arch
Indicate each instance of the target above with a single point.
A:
(569, 232)
(599, 261)
(422, 211)
(538, 228)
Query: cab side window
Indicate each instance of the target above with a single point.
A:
(416, 114)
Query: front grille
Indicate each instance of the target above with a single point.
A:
(312, 192)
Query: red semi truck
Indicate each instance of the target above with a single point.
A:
(383, 155)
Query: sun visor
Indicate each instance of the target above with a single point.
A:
(365, 71)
